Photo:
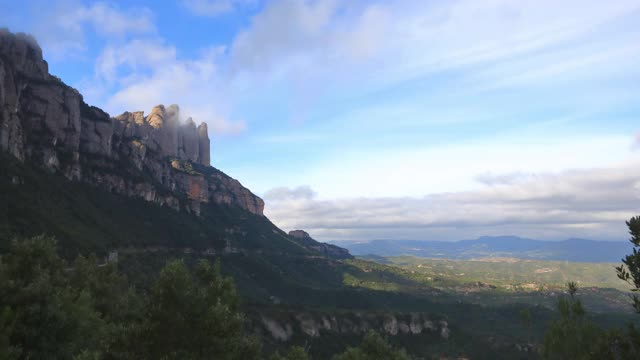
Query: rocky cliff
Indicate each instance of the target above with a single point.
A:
(157, 157)
(328, 250)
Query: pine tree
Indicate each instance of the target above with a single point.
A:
(572, 336)
(195, 316)
(630, 270)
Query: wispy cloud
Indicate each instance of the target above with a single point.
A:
(214, 8)
(491, 179)
(61, 28)
(124, 63)
(142, 73)
(421, 38)
(109, 20)
(285, 194)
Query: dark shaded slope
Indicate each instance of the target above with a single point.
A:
(87, 219)
(268, 265)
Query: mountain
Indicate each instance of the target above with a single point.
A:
(580, 250)
(157, 157)
(129, 184)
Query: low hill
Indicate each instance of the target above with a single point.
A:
(579, 250)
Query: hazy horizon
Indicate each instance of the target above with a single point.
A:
(474, 239)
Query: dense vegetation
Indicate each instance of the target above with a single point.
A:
(574, 336)
(51, 309)
(86, 310)
(629, 271)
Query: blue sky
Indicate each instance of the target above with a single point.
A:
(382, 119)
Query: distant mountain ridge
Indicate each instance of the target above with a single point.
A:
(580, 250)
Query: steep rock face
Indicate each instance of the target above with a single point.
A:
(204, 145)
(153, 157)
(46, 127)
(188, 142)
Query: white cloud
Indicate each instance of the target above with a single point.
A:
(62, 28)
(131, 58)
(491, 179)
(213, 8)
(109, 20)
(284, 193)
(589, 203)
(290, 37)
(420, 37)
(313, 50)
(140, 74)
(285, 28)
(468, 32)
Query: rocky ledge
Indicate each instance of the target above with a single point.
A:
(328, 250)
(158, 157)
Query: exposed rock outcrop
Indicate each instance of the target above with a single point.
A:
(204, 145)
(299, 234)
(283, 326)
(155, 157)
(329, 250)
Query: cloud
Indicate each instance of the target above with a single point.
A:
(63, 30)
(314, 50)
(323, 34)
(319, 48)
(420, 37)
(285, 28)
(140, 74)
(588, 203)
(636, 142)
(114, 60)
(283, 193)
(491, 179)
(213, 8)
(109, 20)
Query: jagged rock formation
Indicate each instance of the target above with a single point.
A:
(329, 250)
(299, 234)
(154, 157)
